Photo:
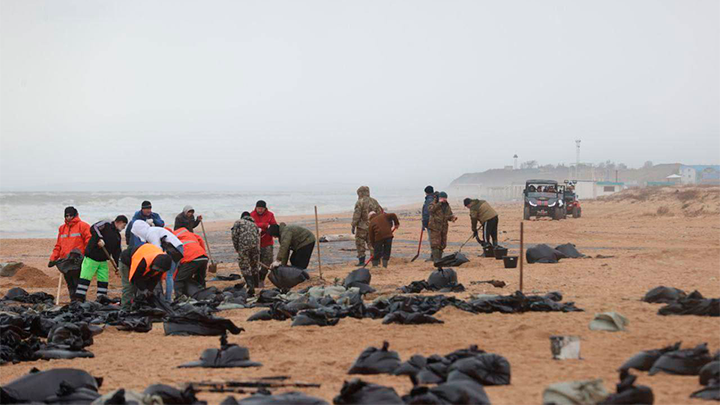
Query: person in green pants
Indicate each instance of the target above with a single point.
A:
(104, 237)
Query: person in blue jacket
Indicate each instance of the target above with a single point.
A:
(145, 214)
(429, 199)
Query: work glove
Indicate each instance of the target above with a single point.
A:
(275, 264)
(51, 263)
(199, 218)
(352, 230)
(101, 243)
(475, 233)
(150, 222)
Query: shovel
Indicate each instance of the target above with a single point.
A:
(419, 246)
(212, 268)
(110, 259)
(463, 245)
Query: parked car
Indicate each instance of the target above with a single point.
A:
(543, 199)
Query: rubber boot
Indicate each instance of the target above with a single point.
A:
(435, 256)
(250, 283)
(385, 263)
(361, 260)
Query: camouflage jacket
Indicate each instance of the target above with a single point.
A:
(363, 206)
(245, 235)
(440, 215)
(292, 237)
(480, 211)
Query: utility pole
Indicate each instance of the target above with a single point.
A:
(577, 158)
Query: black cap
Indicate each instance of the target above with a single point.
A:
(429, 190)
(442, 194)
(274, 230)
(71, 211)
(261, 203)
(121, 218)
(245, 215)
(146, 204)
(466, 202)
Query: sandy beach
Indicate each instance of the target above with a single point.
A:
(677, 246)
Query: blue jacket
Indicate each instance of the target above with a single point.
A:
(133, 240)
(429, 199)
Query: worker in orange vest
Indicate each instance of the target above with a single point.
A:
(73, 237)
(190, 275)
(148, 265)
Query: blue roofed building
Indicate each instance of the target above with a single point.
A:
(700, 174)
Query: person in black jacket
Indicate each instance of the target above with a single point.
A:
(186, 219)
(103, 235)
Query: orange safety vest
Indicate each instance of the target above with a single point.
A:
(193, 245)
(148, 252)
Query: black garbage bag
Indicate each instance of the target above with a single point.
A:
(18, 294)
(229, 277)
(412, 366)
(287, 398)
(206, 294)
(197, 323)
(268, 296)
(442, 278)
(644, 360)
(693, 304)
(314, 317)
(357, 277)
(71, 396)
(543, 254)
(415, 287)
(358, 392)
(105, 300)
(70, 336)
(460, 392)
(629, 393)
(569, 251)
(376, 361)
(17, 345)
(37, 386)
(452, 260)
(55, 353)
(485, 369)
(711, 392)
(405, 318)
(709, 372)
(471, 351)
(141, 324)
(286, 277)
(172, 395)
(664, 295)
(683, 362)
(435, 372)
(229, 355)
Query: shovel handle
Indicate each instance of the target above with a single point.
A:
(110, 259)
(202, 225)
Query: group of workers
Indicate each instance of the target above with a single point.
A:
(179, 256)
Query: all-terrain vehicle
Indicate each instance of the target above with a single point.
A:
(542, 199)
(572, 204)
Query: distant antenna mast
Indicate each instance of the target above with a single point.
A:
(577, 158)
(515, 166)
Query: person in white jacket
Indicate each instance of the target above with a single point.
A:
(169, 243)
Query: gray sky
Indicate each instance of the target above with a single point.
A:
(263, 94)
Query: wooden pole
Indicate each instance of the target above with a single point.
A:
(57, 298)
(522, 254)
(317, 239)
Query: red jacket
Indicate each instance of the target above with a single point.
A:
(263, 222)
(71, 235)
(193, 245)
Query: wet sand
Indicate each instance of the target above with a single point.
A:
(650, 247)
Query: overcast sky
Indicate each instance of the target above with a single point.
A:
(263, 94)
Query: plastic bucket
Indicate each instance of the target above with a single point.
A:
(488, 251)
(500, 252)
(510, 262)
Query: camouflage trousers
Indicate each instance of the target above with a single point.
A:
(266, 255)
(249, 261)
(438, 239)
(361, 242)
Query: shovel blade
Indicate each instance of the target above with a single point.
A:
(212, 268)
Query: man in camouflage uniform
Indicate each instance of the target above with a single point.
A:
(246, 240)
(440, 216)
(361, 222)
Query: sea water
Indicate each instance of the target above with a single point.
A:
(39, 214)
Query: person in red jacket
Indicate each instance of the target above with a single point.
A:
(73, 237)
(190, 275)
(263, 219)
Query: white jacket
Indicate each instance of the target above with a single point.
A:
(154, 234)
